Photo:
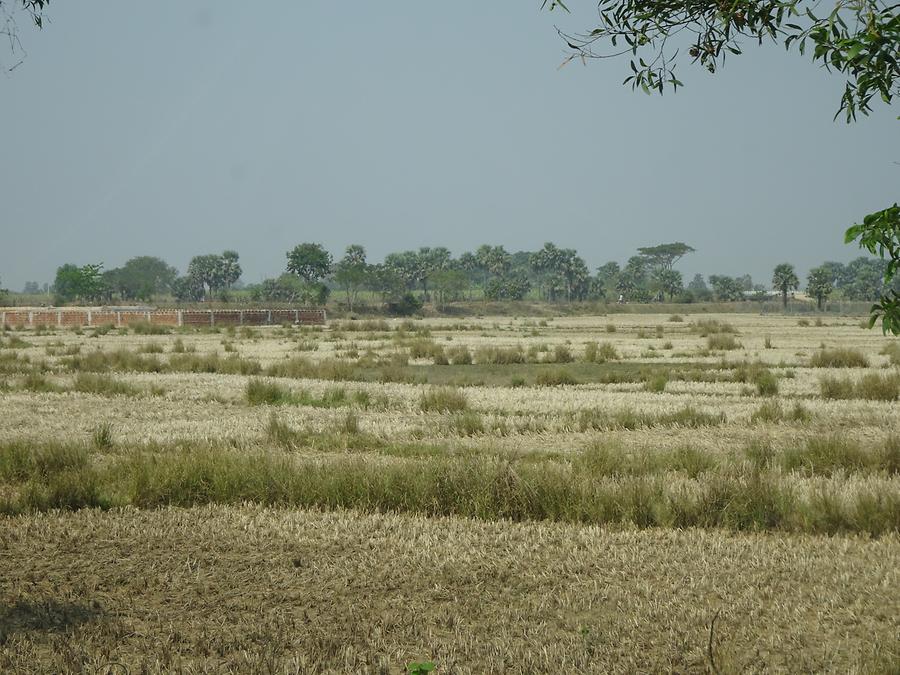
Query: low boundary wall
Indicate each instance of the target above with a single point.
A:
(64, 318)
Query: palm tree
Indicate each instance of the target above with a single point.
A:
(784, 279)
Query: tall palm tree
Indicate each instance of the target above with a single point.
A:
(784, 279)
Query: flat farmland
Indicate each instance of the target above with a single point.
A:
(620, 493)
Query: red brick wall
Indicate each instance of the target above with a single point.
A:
(196, 317)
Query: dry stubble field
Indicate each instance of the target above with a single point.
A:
(580, 494)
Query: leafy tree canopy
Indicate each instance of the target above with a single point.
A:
(665, 255)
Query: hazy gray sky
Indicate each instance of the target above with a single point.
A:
(178, 128)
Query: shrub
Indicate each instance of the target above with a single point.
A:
(424, 348)
(610, 328)
(562, 354)
(603, 352)
(590, 351)
(443, 400)
(768, 342)
(500, 355)
(803, 322)
(459, 355)
(766, 383)
(554, 377)
(676, 318)
(839, 357)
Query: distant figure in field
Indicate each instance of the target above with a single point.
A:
(621, 299)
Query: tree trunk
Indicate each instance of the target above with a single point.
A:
(784, 297)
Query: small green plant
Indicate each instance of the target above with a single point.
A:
(419, 667)
(102, 436)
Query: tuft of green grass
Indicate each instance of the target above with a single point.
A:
(443, 400)
(826, 455)
(266, 392)
(657, 383)
(467, 423)
(103, 385)
(102, 436)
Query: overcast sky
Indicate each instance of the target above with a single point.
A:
(180, 128)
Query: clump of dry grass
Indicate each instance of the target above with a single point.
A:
(871, 386)
(554, 377)
(839, 357)
(772, 411)
(600, 353)
(722, 341)
(629, 419)
(705, 327)
(500, 355)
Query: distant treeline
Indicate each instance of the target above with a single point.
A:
(405, 280)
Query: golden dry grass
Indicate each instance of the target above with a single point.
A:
(237, 588)
(244, 589)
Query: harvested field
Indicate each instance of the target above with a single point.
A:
(496, 494)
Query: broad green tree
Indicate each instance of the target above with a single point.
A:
(879, 233)
(351, 272)
(311, 263)
(784, 280)
(140, 278)
(819, 285)
(664, 256)
(83, 283)
(726, 289)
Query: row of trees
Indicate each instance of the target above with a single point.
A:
(405, 280)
